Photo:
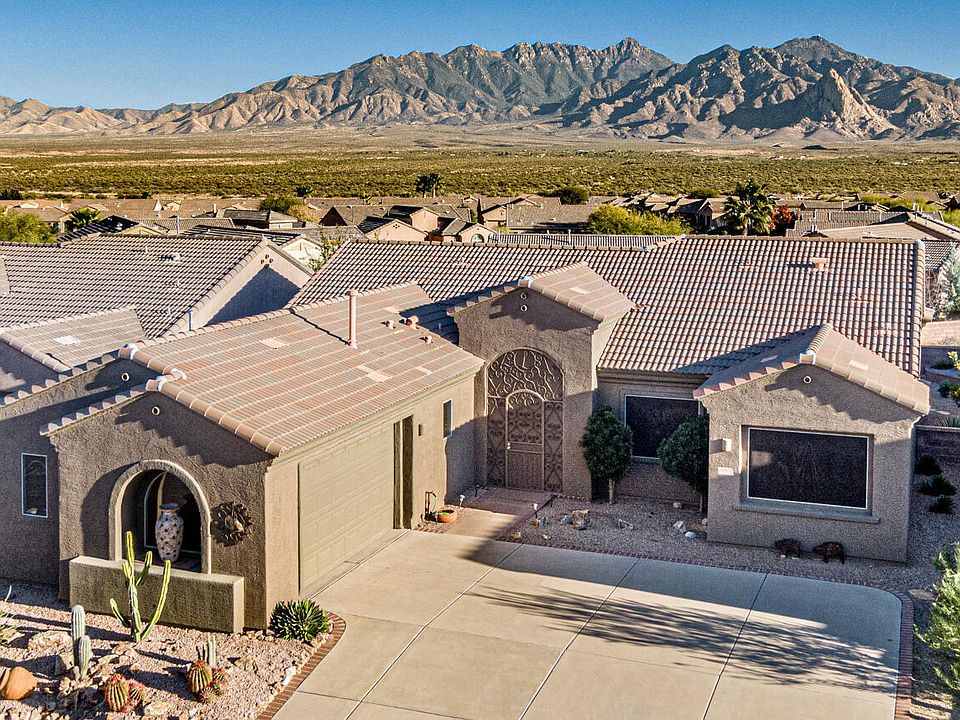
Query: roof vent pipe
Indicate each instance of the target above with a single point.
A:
(352, 326)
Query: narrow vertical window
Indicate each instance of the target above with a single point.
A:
(33, 485)
(448, 418)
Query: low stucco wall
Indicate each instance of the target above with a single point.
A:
(826, 403)
(196, 600)
(942, 332)
(941, 442)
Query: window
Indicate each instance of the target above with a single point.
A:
(808, 467)
(653, 420)
(33, 485)
(448, 418)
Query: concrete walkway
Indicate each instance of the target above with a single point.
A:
(445, 626)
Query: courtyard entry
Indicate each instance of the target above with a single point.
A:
(525, 421)
(403, 474)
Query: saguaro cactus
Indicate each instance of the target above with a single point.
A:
(82, 650)
(138, 630)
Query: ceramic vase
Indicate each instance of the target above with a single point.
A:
(169, 532)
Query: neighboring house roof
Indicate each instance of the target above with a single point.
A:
(112, 224)
(278, 237)
(180, 226)
(576, 286)
(703, 303)
(163, 277)
(824, 347)
(71, 341)
(285, 378)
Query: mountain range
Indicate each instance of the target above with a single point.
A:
(804, 89)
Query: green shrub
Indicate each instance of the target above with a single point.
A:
(951, 421)
(607, 449)
(942, 364)
(927, 465)
(943, 634)
(298, 620)
(942, 505)
(571, 195)
(686, 452)
(613, 220)
(936, 485)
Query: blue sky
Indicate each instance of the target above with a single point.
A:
(138, 53)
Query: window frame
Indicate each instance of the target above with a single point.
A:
(46, 485)
(626, 396)
(445, 430)
(867, 495)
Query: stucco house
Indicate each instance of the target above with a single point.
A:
(406, 372)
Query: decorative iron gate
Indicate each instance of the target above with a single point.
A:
(525, 421)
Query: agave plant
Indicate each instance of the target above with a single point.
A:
(298, 620)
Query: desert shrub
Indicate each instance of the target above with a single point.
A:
(942, 505)
(951, 421)
(936, 485)
(612, 220)
(927, 465)
(942, 364)
(22, 228)
(298, 620)
(943, 633)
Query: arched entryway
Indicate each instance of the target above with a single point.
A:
(135, 503)
(525, 421)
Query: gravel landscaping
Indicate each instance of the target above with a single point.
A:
(258, 665)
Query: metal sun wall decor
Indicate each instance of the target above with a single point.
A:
(232, 523)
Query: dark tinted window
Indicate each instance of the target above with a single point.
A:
(654, 419)
(448, 418)
(808, 468)
(33, 478)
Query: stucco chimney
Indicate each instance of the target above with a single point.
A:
(352, 319)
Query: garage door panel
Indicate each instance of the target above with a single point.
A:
(345, 499)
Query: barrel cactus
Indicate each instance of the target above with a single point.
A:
(116, 693)
(199, 676)
(298, 620)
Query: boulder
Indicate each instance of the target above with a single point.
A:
(49, 639)
(680, 526)
(690, 535)
(63, 663)
(581, 518)
(17, 683)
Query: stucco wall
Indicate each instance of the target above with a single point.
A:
(29, 546)
(827, 404)
(571, 339)
(18, 372)
(645, 478)
(94, 454)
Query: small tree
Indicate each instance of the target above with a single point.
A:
(23, 228)
(304, 191)
(572, 195)
(783, 219)
(685, 454)
(949, 282)
(286, 204)
(607, 449)
(81, 217)
(431, 183)
(943, 634)
(613, 220)
(749, 210)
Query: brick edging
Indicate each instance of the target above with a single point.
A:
(904, 696)
(337, 628)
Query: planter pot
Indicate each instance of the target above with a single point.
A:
(446, 516)
(169, 532)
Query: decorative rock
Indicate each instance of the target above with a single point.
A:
(677, 505)
(160, 709)
(49, 638)
(704, 522)
(680, 526)
(581, 518)
(17, 683)
(63, 663)
(624, 525)
(289, 675)
(690, 535)
(567, 520)
(246, 663)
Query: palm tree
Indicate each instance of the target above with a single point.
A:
(81, 217)
(750, 209)
(432, 183)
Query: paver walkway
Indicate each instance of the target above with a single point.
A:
(461, 627)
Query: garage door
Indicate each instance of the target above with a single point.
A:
(346, 500)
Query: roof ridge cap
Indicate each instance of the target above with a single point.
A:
(64, 318)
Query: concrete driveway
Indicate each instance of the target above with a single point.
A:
(445, 626)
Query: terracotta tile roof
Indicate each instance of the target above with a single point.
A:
(285, 378)
(703, 303)
(67, 342)
(824, 347)
(161, 276)
(576, 286)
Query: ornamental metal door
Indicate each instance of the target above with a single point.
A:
(525, 441)
(525, 421)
